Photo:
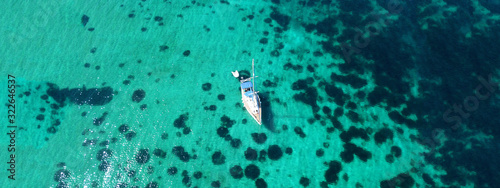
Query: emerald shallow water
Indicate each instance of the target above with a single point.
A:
(327, 122)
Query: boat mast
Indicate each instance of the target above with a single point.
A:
(253, 76)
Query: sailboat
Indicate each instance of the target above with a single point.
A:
(249, 96)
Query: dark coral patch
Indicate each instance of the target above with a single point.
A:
(85, 20)
(104, 143)
(186, 53)
(218, 158)
(236, 172)
(310, 68)
(354, 132)
(51, 130)
(143, 107)
(40, 117)
(304, 181)
(152, 185)
(186, 180)
(262, 155)
(251, 154)
(163, 48)
(236, 143)
(320, 152)
(180, 122)
(299, 132)
(383, 135)
(221, 97)
(300, 84)
(123, 128)
(215, 184)
(227, 122)
(351, 105)
(222, 131)
(389, 158)
(131, 173)
(197, 174)
(268, 83)
(180, 153)
(427, 178)
(61, 175)
(252, 171)
(337, 94)
(259, 138)
(172, 171)
(327, 110)
(325, 26)
(397, 117)
(164, 136)
(350, 80)
(88, 142)
(263, 40)
(130, 135)
(103, 154)
(158, 18)
(309, 97)
(403, 180)
(331, 175)
(98, 121)
(274, 152)
(138, 95)
(354, 117)
(211, 107)
(282, 19)
(260, 183)
(159, 153)
(142, 156)
(206, 86)
(378, 95)
(104, 166)
(186, 130)
(350, 150)
(121, 185)
(396, 151)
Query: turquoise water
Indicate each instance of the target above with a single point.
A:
(118, 94)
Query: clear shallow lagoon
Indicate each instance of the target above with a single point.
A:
(139, 93)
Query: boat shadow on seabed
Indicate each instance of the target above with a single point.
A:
(267, 114)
